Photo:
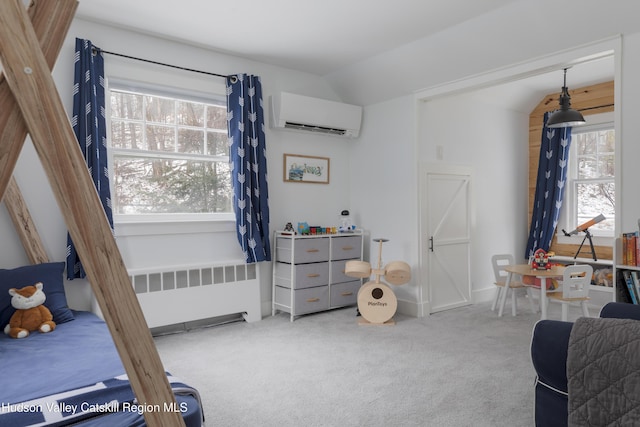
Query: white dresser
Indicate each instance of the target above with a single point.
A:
(309, 272)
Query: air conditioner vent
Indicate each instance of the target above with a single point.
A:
(306, 114)
(320, 129)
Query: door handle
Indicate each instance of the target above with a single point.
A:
(431, 243)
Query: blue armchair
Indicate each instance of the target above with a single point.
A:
(549, 346)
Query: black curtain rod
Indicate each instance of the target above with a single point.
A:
(596, 107)
(233, 77)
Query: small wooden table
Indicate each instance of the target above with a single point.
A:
(526, 270)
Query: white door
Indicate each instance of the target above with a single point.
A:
(445, 223)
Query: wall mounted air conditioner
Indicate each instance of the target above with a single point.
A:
(303, 113)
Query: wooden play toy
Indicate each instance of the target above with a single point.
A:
(377, 302)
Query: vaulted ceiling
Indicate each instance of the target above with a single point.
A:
(318, 37)
(337, 39)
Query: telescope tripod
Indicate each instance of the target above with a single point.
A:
(587, 235)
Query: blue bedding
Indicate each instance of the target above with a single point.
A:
(74, 375)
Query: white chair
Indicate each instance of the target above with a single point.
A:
(575, 289)
(499, 262)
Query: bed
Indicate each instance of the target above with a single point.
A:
(74, 374)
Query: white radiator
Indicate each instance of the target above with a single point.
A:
(170, 296)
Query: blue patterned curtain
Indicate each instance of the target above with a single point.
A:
(90, 127)
(247, 154)
(552, 177)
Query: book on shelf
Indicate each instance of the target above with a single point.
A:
(628, 279)
(631, 248)
(636, 284)
(622, 293)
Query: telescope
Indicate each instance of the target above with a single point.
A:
(585, 227)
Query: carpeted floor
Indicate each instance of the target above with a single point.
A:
(461, 367)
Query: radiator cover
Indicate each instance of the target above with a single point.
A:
(174, 295)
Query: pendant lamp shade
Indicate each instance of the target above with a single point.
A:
(565, 116)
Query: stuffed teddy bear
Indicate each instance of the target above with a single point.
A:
(31, 314)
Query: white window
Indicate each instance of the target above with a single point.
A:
(590, 189)
(169, 154)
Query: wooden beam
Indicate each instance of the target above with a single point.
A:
(35, 92)
(24, 225)
(51, 21)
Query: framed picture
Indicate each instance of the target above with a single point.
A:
(309, 169)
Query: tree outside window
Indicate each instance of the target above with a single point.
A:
(169, 155)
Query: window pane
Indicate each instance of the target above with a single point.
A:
(190, 113)
(217, 144)
(606, 166)
(169, 186)
(217, 117)
(161, 138)
(606, 141)
(595, 199)
(126, 105)
(592, 191)
(190, 141)
(595, 151)
(160, 110)
(167, 125)
(587, 167)
(126, 134)
(586, 143)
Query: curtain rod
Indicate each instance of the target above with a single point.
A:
(233, 77)
(596, 107)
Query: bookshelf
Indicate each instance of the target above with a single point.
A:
(620, 270)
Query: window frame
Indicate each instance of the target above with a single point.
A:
(567, 220)
(155, 220)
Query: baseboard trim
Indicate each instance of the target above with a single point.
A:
(266, 308)
(413, 308)
(483, 295)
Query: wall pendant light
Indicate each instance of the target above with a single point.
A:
(565, 116)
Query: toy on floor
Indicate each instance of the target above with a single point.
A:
(376, 301)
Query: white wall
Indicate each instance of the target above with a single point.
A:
(397, 136)
(494, 142)
(194, 243)
(383, 181)
(628, 174)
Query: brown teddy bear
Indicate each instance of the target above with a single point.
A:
(31, 314)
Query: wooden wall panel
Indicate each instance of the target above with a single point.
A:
(593, 99)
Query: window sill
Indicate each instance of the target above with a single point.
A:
(154, 226)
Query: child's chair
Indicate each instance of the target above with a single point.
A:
(575, 288)
(499, 262)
